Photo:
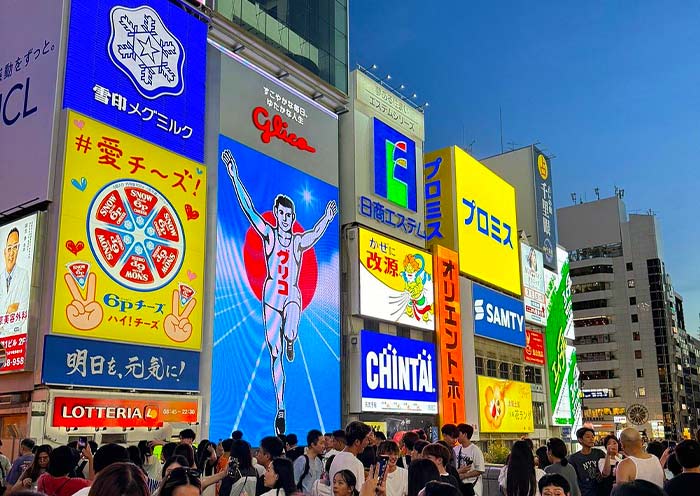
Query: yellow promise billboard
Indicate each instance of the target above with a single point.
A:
(472, 210)
(505, 406)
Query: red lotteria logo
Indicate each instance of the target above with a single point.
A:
(277, 128)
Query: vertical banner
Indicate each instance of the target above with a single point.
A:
(276, 356)
(544, 208)
(130, 260)
(534, 347)
(449, 336)
(533, 285)
(17, 241)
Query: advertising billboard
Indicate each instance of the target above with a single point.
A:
(399, 375)
(534, 347)
(29, 61)
(394, 166)
(505, 406)
(87, 362)
(472, 210)
(544, 208)
(498, 316)
(533, 285)
(140, 68)
(277, 300)
(396, 281)
(130, 260)
(448, 315)
(17, 241)
(99, 412)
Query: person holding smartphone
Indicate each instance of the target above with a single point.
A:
(396, 477)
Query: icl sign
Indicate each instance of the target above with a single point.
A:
(497, 316)
(398, 374)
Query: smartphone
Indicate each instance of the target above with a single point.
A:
(671, 447)
(383, 464)
(82, 443)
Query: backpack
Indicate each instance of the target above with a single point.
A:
(307, 467)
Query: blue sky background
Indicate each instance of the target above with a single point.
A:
(612, 89)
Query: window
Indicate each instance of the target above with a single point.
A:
(633, 300)
(635, 317)
(629, 266)
(538, 376)
(372, 325)
(595, 321)
(638, 354)
(590, 286)
(538, 415)
(601, 251)
(517, 373)
(640, 372)
(491, 368)
(530, 374)
(503, 371)
(585, 305)
(479, 366)
(630, 283)
(590, 270)
(636, 336)
(641, 392)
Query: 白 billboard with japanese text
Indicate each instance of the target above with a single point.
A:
(17, 243)
(277, 306)
(396, 281)
(448, 315)
(29, 53)
(533, 285)
(140, 68)
(544, 208)
(130, 255)
(505, 406)
(88, 362)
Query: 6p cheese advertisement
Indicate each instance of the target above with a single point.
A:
(130, 261)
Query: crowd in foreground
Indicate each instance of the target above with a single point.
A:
(356, 461)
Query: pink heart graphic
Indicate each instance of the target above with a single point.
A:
(78, 123)
(191, 275)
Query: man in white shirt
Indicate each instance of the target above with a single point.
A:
(14, 284)
(469, 459)
(308, 468)
(357, 436)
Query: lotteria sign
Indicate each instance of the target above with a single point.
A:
(398, 374)
(116, 412)
(497, 316)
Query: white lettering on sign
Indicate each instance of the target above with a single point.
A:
(389, 370)
(101, 412)
(499, 316)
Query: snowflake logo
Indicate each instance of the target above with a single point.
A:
(143, 48)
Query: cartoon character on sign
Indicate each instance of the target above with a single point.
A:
(416, 278)
(281, 295)
(495, 404)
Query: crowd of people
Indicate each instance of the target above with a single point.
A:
(356, 461)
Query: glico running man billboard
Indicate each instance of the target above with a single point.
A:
(277, 310)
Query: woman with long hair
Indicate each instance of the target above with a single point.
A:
(420, 472)
(279, 478)
(556, 451)
(520, 475)
(542, 458)
(120, 479)
(608, 465)
(181, 481)
(57, 481)
(242, 476)
(206, 457)
(30, 477)
(345, 484)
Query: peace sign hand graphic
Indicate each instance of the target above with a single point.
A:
(84, 314)
(177, 325)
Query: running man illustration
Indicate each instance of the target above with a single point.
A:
(281, 297)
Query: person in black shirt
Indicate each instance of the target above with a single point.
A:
(440, 456)
(688, 455)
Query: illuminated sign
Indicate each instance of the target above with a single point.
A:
(17, 244)
(116, 412)
(396, 281)
(277, 128)
(497, 316)
(394, 166)
(534, 347)
(277, 298)
(398, 375)
(473, 211)
(386, 216)
(505, 406)
(448, 315)
(533, 285)
(88, 362)
(544, 207)
(141, 69)
(130, 264)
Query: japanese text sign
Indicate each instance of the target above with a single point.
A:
(101, 412)
(396, 281)
(130, 263)
(448, 314)
(398, 375)
(533, 285)
(498, 316)
(505, 406)
(28, 73)
(87, 362)
(17, 245)
(140, 68)
(544, 208)
(534, 347)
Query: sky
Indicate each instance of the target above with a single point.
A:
(610, 89)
